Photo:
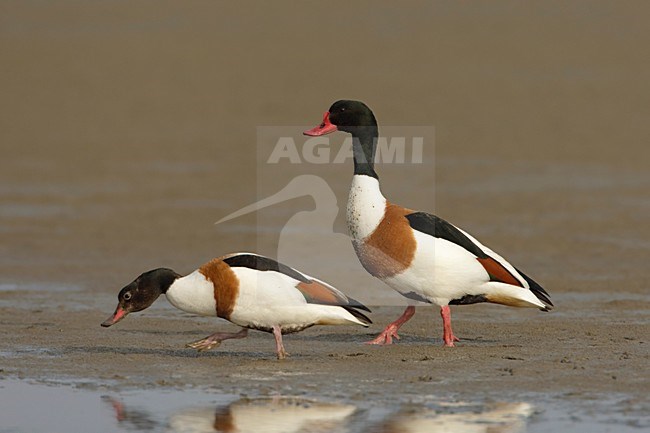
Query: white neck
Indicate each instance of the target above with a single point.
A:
(366, 206)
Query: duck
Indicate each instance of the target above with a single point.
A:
(249, 290)
(418, 254)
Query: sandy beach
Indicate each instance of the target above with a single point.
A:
(127, 130)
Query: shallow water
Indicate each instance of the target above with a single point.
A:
(40, 408)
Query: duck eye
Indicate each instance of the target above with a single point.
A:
(127, 296)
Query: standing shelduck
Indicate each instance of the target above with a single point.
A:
(249, 290)
(420, 255)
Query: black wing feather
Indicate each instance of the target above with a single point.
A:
(358, 314)
(262, 263)
(537, 289)
(439, 228)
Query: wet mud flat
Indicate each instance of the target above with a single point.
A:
(579, 372)
(171, 410)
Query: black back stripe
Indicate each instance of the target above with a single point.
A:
(439, 228)
(353, 303)
(262, 263)
(468, 299)
(358, 314)
(537, 290)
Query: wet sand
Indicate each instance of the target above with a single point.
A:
(579, 370)
(590, 350)
(127, 131)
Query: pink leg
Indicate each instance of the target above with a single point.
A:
(215, 339)
(386, 336)
(447, 334)
(279, 347)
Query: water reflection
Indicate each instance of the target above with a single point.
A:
(270, 415)
(300, 415)
(131, 418)
(495, 418)
(52, 407)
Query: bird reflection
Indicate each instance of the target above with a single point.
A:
(300, 415)
(131, 419)
(495, 418)
(268, 415)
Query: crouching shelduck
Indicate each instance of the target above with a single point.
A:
(249, 290)
(420, 255)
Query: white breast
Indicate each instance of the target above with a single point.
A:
(366, 206)
(193, 294)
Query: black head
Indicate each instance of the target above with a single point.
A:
(346, 116)
(350, 114)
(141, 293)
